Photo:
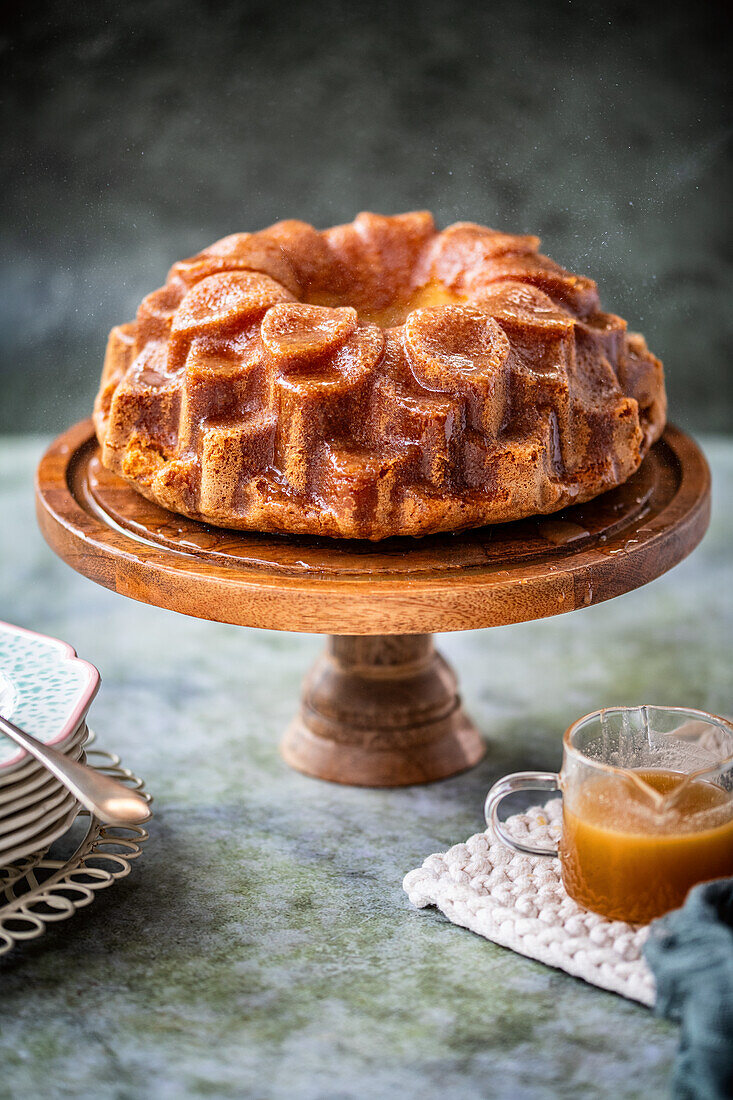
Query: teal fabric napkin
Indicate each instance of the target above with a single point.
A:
(690, 952)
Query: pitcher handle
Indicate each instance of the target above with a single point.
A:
(510, 784)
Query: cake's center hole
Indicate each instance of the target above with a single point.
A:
(395, 312)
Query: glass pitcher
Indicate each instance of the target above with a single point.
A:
(647, 808)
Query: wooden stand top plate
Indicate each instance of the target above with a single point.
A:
(487, 577)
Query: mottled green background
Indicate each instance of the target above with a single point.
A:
(263, 947)
(136, 133)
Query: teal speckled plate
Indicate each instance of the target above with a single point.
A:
(44, 688)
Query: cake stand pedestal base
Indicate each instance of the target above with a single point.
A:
(381, 711)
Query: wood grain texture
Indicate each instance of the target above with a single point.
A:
(381, 712)
(493, 576)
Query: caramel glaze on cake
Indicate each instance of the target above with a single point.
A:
(375, 379)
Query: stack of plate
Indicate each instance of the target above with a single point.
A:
(47, 690)
(35, 808)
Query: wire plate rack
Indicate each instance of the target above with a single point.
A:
(39, 889)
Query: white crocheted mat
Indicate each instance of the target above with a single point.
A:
(519, 902)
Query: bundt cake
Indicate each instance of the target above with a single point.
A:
(375, 379)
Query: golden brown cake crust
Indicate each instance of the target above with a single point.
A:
(375, 379)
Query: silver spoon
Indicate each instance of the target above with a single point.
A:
(108, 799)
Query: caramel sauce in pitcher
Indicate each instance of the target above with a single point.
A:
(627, 858)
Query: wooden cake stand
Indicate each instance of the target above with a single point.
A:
(380, 707)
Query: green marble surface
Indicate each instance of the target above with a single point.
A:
(263, 946)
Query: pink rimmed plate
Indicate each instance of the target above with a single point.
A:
(44, 688)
